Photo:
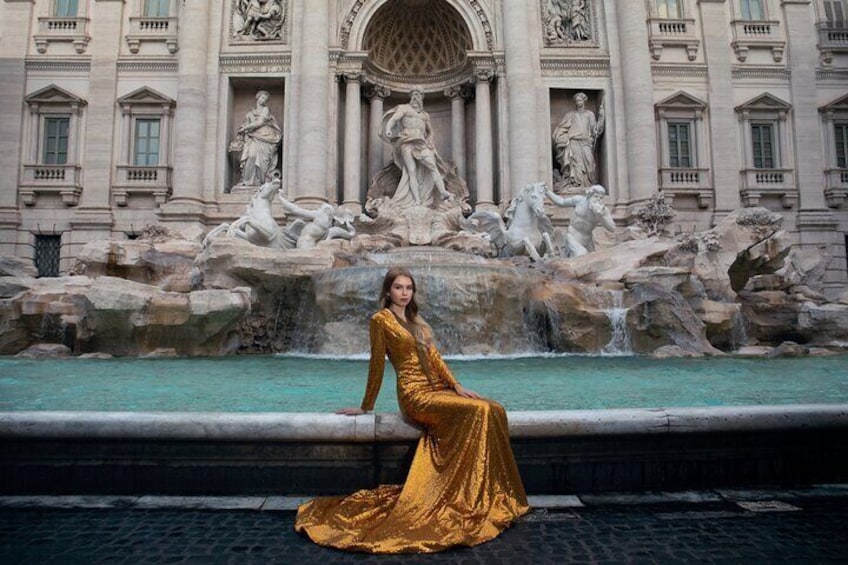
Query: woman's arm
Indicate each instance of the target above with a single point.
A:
(444, 373)
(375, 370)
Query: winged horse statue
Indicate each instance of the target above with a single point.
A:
(527, 230)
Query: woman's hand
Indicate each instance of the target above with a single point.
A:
(464, 392)
(350, 411)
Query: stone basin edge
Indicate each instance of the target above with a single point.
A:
(390, 426)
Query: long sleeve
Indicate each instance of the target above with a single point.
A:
(440, 367)
(376, 365)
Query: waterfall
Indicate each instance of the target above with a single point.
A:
(619, 343)
(738, 331)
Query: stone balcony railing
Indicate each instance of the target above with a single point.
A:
(134, 179)
(832, 40)
(673, 33)
(65, 180)
(757, 183)
(689, 181)
(152, 30)
(749, 35)
(73, 30)
(837, 187)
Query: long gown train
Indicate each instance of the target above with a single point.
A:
(463, 486)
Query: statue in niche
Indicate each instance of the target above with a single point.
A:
(259, 19)
(418, 198)
(574, 141)
(589, 213)
(567, 21)
(408, 129)
(527, 230)
(258, 142)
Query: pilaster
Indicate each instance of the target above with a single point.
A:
(190, 132)
(312, 113)
(524, 82)
(723, 125)
(638, 100)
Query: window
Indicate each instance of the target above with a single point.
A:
(840, 136)
(668, 9)
(752, 9)
(146, 142)
(156, 8)
(47, 253)
(679, 145)
(834, 13)
(65, 8)
(762, 147)
(55, 151)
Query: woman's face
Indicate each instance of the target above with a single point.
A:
(401, 291)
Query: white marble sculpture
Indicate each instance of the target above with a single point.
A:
(418, 198)
(257, 225)
(527, 230)
(567, 22)
(258, 141)
(589, 213)
(574, 141)
(259, 19)
(310, 227)
(408, 129)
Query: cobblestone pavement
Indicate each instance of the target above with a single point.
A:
(717, 529)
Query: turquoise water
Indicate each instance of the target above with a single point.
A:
(304, 384)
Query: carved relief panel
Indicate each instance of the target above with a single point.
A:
(259, 20)
(569, 23)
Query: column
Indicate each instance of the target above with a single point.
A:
(312, 112)
(190, 122)
(376, 95)
(637, 88)
(483, 141)
(457, 99)
(524, 81)
(352, 143)
(727, 156)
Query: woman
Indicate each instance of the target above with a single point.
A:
(463, 486)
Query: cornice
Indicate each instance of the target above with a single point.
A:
(74, 65)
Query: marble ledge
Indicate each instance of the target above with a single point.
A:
(312, 427)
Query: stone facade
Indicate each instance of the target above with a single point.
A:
(118, 114)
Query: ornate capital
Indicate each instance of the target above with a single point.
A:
(483, 74)
(456, 91)
(377, 91)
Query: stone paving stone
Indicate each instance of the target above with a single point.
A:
(659, 533)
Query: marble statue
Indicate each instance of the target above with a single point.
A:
(417, 198)
(313, 226)
(258, 141)
(408, 129)
(567, 21)
(589, 213)
(527, 230)
(574, 142)
(257, 224)
(260, 19)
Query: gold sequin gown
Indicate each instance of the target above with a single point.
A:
(463, 486)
